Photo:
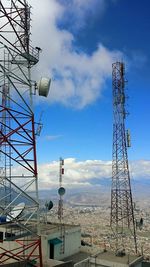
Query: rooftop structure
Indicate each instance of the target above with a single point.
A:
(109, 259)
(51, 240)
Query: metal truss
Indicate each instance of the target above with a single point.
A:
(122, 214)
(18, 163)
(32, 248)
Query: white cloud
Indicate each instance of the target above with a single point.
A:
(140, 169)
(77, 173)
(83, 173)
(82, 12)
(78, 78)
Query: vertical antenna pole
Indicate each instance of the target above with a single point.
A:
(61, 190)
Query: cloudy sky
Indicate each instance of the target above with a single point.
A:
(80, 39)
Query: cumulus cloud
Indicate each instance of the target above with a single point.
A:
(77, 78)
(77, 173)
(140, 169)
(82, 12)
(83, 173)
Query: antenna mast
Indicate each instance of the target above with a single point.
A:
(122, 214)
(61, 190)
(18, 163)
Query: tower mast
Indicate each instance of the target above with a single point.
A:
(18, 163)
(60, 190)
(122, 214)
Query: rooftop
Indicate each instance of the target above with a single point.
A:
(80, 256)
(50, 228)
(111, 257)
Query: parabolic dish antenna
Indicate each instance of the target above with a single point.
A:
(49, 205)
(16, 211)
(44, 86)
(61, 191)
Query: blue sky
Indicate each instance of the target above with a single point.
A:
(80, 40)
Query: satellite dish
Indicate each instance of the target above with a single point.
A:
(44, 86)
(61, 191)
(49, 205)
(16, 211)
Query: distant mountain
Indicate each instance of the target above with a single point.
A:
(97, 194)
(15, 195)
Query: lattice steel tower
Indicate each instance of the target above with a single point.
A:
(122, 214)
(19, 205)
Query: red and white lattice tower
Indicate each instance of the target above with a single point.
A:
(19, 205)
(61, 190)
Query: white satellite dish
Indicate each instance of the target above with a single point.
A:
(44, 86)
(16, 211)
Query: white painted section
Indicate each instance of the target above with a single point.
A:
(72, 243)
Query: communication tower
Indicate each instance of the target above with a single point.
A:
(19, 205)
(61, 190)
(122, 213)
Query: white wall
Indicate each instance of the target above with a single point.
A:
(72, 244)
